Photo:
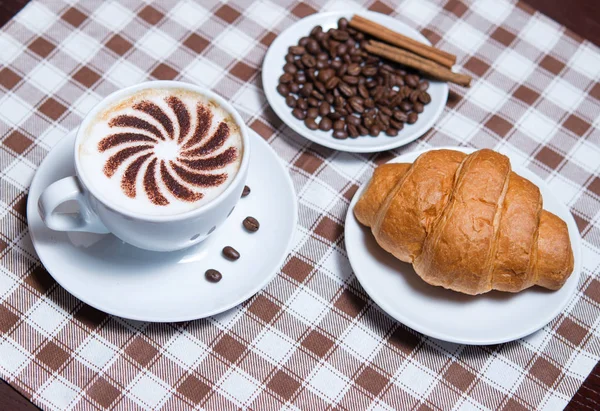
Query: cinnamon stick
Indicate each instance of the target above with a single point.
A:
(389, 36)
(408, 59)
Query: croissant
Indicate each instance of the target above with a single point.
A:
(467, 223)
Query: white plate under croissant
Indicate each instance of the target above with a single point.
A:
(476, 249)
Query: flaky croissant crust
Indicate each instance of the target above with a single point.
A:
(467, 223)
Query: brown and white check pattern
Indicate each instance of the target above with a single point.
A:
(312, 338)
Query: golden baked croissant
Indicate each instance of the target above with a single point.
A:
(467, 223)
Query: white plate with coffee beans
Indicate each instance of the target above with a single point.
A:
(236, 261)
(356, 103)
(491, 318)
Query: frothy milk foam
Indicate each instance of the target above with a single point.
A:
(161, 151)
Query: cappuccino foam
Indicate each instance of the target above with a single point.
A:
(161, 151)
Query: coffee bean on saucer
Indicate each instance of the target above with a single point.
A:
(251, 224)
(246, 191)
(213, 275)
(231, 253)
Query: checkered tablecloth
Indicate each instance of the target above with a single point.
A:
(312, 338)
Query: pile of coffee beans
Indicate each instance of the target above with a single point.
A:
(332, 83)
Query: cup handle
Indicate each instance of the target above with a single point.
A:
(69, 188)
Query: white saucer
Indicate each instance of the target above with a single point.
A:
(272, 69)
(142, 285)
(490, 318)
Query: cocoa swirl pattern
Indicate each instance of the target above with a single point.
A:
(184, 175)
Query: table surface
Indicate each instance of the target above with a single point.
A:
(581, 16)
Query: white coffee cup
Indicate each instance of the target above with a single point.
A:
(160, 232)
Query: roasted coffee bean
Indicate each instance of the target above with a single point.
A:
(412, 118)
(424, 97)
(355, 58)
(352, 80)
(412, 80)
(374, 130)
(423, 85)
(362, 130)
(414, 96)
(317, 95)
(325, 75)
(316, 30)
(297, 50)
(340, 134)
(339, 35)
(213, 276)
(342, 70)
(332, 83)
(345, 89)
(230, 253)
(339, 101)
(359, 36)
(300, 77)
(334, 115)
(400, 116)
(353, 120)
(371, 83)
(251, 224)
(290, 101)
(383, 119)
(339, 125)
(324, 109)
(418, 107)
(313, 47)
(352, 130)
(246, 191)
(302, 104)
(406, 106)
(342, 23)
(299, 113)
(392, 132)
(321, 64)
(322, 56)
(343, 111)
(283, 89)
(357, 104)
(398, 80)
(310, 123)
(369, 71)
(311, 74)
(396, 100)
(312, 112)
(325, 124)
(362, 90)
(289, 58)
(368, 122)
(329, 98)
(303, 41)
(354, 69)
(294, 88)
(386, 111)
(308, 60)
(396, 124)
(307, 89)
(342, 49)
(312, 102)
(321, 87)
(290, 68)
(336, 64)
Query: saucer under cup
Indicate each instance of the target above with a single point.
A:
(126, 281)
